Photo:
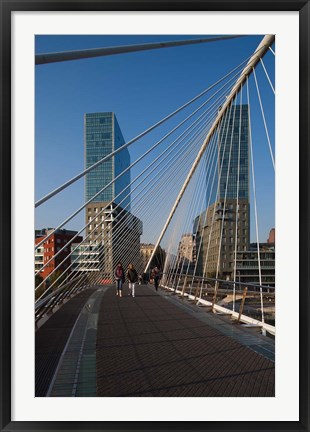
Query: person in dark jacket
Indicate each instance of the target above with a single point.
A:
(132, 276)
(157, 277)
(120, 278)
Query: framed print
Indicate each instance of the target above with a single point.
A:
(153, 305)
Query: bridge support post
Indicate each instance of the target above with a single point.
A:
(214, 295)
(242, 304)
(196, 292)
(184, 285)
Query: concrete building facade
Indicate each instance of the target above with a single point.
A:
(146, 250)
(186, 247)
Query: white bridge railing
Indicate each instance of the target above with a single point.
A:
(239, 300)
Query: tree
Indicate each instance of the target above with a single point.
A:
(38, 279)
(54, 276)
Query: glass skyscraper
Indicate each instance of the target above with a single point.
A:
(102, 136)
(109, 221)
(225, 225)
(232, 157)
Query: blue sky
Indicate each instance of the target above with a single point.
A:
(141, 88)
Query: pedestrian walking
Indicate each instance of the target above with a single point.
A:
(132, 276)
(120, 278)
(157, 277)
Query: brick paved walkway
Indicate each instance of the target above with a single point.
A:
(148, 346)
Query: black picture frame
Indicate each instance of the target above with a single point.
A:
(6, 8)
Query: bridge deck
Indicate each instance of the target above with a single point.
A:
(150, 345)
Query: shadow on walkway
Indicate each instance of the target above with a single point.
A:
(149, 345)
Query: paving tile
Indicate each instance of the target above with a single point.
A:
(154, 345)
(179, 355)
(129, 383)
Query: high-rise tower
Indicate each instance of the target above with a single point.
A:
(233, 166)
(224, 227)
(103, 136)
(109, 221)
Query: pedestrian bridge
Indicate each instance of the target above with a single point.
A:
(193, 187)
(156, 344)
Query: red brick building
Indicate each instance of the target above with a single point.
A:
(272, 236)
(50, 247)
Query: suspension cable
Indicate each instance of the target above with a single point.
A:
(194, 196)
(207, 204)
(255, 208)
(261, 60)
(237, 203)
(129, 167)
(109, 156)
(124, 197)
(228, 114)
(225, 197)
(44, 240)
(262, 111)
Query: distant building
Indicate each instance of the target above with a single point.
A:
(85, 257)
(146, 250)
(50, 247)
(217, 235)
(225, 225)
(38, 257)
(233, 162)
(117, 233)
(272, 236)
(265, 247)
(186, 248)
(103, 136)
(110, 224)
(248, 266)
(186, 255)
